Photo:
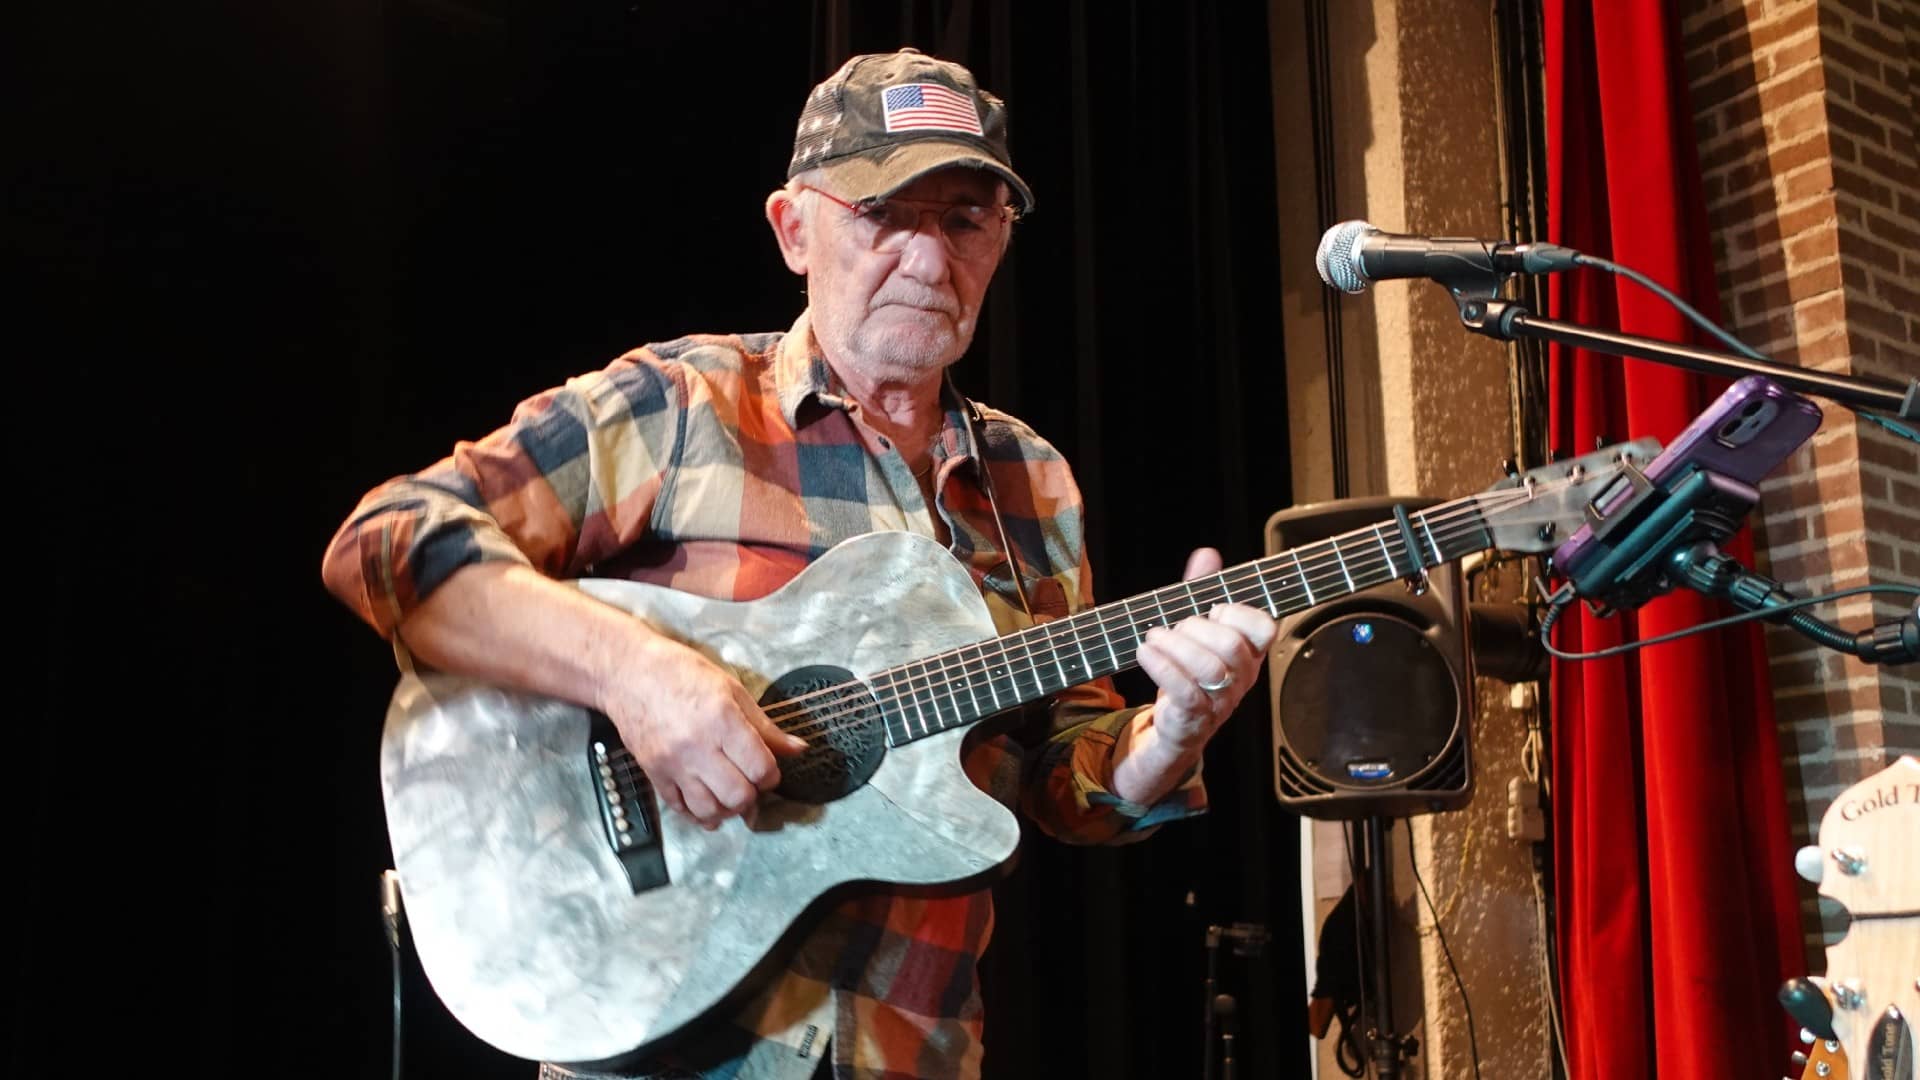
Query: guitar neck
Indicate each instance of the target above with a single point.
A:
(956, 688)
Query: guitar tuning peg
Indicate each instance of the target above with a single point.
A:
(1849, 994)
(1509, 466)
(1810, 863)
(1804, 1002)
(1852, 860)
(1799, 1059)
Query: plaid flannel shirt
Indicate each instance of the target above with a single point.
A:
(723, 465)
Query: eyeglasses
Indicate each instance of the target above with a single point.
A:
(970, 230)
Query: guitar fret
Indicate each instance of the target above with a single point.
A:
(1026, 646)
(1086, 668)
(914, 693)
(1260, 576)
(1302, 572)
(986, 669)
(1053, 646)
(1382, 537)
(1431, 542)
(926, 694)
(1112, 656)
(1337, 557)
(973, 692)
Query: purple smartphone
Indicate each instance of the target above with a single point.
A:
(1744, 435)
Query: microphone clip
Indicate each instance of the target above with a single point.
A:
(1484, 312)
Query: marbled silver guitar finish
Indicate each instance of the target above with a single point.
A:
(522, 915)
(552, 937)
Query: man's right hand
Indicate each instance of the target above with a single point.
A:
(704, 744)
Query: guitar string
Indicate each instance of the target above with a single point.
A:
(853, 701)
(1368, 538)
(1323, 573)
(1048, 647)
(1049, 639)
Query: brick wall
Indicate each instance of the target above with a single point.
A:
(1805, 115)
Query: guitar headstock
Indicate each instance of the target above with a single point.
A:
(1868, 860)
(1822, 1059)
(1538, 509)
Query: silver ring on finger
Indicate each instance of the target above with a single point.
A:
(1217, 685)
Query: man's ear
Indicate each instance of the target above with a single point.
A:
(789, 228)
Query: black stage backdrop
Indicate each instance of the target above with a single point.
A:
(279, 252)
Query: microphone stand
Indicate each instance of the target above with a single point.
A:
(1686, 543)
(1507, 320)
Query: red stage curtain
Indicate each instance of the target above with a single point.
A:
(1676, 911)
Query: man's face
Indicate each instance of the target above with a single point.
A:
(903, 313)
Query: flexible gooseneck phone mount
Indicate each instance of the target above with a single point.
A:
(1665, 535)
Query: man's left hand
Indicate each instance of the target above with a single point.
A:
(1203, 665)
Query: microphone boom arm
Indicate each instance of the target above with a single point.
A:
(1507, 320)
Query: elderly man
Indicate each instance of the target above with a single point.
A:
(722, 465)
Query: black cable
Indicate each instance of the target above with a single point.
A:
(1360, 944)
(1560, 602)
(395, 950)
(391, 916)
(1473, 1041)
(1726, 338)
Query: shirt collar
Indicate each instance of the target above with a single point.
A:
(800, 372)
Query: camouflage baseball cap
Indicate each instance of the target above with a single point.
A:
(886, 119)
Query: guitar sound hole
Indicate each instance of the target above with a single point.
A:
(842, 725)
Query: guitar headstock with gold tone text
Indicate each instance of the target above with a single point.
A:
(1868, 860)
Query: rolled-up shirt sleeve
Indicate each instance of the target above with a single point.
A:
(573, 477)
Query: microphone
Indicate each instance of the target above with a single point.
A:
(1354, 255)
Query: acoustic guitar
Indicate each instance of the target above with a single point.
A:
(561, 916)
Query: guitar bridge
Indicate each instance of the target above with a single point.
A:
(628, 815)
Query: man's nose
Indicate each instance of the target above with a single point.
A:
(926, 258)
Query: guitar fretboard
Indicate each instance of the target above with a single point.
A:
(964, 685)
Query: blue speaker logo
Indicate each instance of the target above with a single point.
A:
(1362, 633)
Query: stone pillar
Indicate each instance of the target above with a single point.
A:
(1414, 149)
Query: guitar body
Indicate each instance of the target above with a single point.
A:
(525, 922)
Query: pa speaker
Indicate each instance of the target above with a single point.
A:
(1372, 693)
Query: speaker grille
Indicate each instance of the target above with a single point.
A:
(1370, 716)
(1372, 693)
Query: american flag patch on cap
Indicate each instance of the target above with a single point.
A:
(928, 107)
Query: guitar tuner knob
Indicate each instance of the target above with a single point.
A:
(1806, 1037)
(1852, 860)
(1810, 863)
(1799, 1059)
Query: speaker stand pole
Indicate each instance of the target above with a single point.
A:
(1385, 1046)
